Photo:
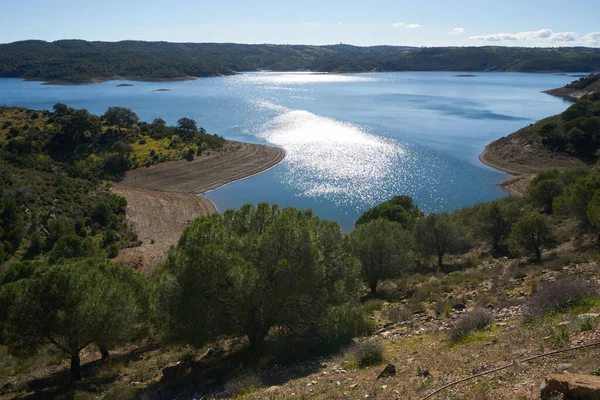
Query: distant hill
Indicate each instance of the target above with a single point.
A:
(79, 61)
(579, 88)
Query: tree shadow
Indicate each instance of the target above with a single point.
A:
(58, 383)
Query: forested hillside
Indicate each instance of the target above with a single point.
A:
(79, 61)
(52, 200)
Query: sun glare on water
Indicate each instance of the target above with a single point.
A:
(339, 161)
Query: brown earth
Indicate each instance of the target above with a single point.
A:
(523, 156)
(163, 199)
(234, 162)
(574, 94)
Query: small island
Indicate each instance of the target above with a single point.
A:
(465, 76)
(161, 90)
(124, 85)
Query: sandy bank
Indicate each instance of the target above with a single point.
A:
(163, 200)
(523, 157)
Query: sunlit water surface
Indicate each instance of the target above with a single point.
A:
(351, 141)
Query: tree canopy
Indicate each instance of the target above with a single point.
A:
(400, 209)
(70, 305)
(254, 269)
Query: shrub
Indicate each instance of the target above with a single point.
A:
(71, 246)
(367, 353)
(471, 322)
(557, 296)
(373, 305)
(398, 314)
(121, 391)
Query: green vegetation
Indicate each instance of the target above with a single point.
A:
(576, 131)
(52, 200)
(400, 209)
(70, 305)
(438, 235)
(79, 61)
(531, 233)
(384, 249)
(256, 269)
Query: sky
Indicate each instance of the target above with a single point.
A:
(546, 23)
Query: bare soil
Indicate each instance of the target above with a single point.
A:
(158, 218)
(164, 199)
(523, 156)
(234, 162)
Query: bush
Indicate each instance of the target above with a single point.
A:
(558, 296)
(398, 314)
(341, 324)
(367, 353)
(532, 233)
(471, 322)
(71, 246)
(121, 391)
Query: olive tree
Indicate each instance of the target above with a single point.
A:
(531, 233)
(384, 249)
(493, 221)
(245, 272)
(437, 235)
(120, 116)
(70, 305)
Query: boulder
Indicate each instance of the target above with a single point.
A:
(389, 370)
(571, 386)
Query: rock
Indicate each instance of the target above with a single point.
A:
(176, 370)
(588, 315)
(353, 386)
(208, 353)
(570, 386)
(389, 370)
(563, 367)
(459, 306)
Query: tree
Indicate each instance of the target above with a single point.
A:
(159, 122)
(544, 192)
(437, 235)
(187, 125)
(71, 246)
(120, 116)
(576, 198)
(593, 212)
(248, 271)
(384, 249)
(70, 305)
(400, 209)
(531, 233)
(493, 222)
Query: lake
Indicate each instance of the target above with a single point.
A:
(351, 140)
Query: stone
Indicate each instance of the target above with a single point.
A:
(588, 315)
(176, 370)
(570, 386)
(353, 386)
(389, 370)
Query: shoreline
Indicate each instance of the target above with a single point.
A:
(516, 184)
(164, 199)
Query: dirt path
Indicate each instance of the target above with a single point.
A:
(234, 162)
(163, 200)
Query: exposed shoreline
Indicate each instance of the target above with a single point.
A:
(163, 199)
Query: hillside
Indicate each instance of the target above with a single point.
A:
(562, 141)
(579, 88)
(78, 61)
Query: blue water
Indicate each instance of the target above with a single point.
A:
(352, 140)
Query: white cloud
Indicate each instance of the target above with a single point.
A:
(412, 26)
(592, 38)
(497, 37)
(457, 31)
(397, 25)
(312, 23)
(564, 36)
(340, 23)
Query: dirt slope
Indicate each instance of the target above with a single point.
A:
(234, 162)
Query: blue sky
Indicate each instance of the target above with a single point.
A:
(367, 22)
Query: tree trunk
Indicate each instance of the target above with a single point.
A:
(373, 286)
(103, 350)
(257, 339)
(538, 255)
(440, 260)
(75, 367)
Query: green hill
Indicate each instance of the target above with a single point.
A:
(79, 61)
